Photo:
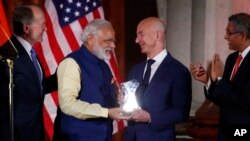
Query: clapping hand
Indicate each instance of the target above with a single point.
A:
(198, 72)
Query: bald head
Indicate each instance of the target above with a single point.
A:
(151, 34)
(153, 23)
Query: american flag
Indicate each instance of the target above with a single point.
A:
(4, 28)
(65, 20)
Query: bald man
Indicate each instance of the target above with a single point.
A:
(164, 93)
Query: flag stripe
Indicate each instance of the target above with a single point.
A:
(83, 22)
(70, 38)
(96, 14)
(49, 128)
(4, 29)
(48, 56)
(52, 40)
(60, 37)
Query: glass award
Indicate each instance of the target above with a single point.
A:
(130, 103)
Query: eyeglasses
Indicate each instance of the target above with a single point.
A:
(231, 33)
(107, 41)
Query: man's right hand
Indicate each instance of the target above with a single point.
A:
(198, 72)
(115, 113)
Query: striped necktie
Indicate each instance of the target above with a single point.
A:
(236, 67)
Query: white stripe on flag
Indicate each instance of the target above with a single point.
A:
(50, 106)
(48, 55)
(59, 35)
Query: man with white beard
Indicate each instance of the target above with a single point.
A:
(87, 98)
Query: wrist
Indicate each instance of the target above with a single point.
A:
(149, 120)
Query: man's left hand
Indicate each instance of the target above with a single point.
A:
(140, 115)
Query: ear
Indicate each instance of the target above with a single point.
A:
(91, 39)
(158, 35)
(244, 36)
(26, 28)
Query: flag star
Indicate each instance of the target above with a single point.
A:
(67, 10)
(86, 8)
(78, 4)
(77, 13)
(61, 6)
(70, 1)
(66, 19)
(94, 4)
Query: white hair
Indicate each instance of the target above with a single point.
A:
(93, 27)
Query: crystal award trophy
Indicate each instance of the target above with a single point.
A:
(129, 98)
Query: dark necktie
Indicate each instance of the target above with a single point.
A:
(144, 84)
(236, 67)
(36, 65)
(148, 72)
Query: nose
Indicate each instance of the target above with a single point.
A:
(112, 45)
(137, 39)
(226, 36)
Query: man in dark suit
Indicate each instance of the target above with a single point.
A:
(164, 94)
(231, 92)
(28, 78)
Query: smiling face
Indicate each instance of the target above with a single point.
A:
(146, 37)
(151, 36)
(35, 29)
(233, 37)
(104, 43)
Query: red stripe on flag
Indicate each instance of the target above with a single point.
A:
(4, 29)
(54, 95)
(70, 38)
(83, 22)
(54, 46)
(120, 124)
(96, 14)
(49, 128)
(115, 68)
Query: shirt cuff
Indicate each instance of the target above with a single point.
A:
(219, 78)
(208, 84)
(104, 112)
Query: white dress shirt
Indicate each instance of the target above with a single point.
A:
(158, 60)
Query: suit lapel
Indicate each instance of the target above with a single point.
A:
(25, 62)
(243, 68)
(159, 72)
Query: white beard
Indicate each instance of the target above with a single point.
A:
(100, 52)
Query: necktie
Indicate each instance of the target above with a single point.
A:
(35, 62)
(144, 84)
(148, 72)
(236, 67)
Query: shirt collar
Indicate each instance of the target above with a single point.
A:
(24, 43)
(159, 57)
(244, 53)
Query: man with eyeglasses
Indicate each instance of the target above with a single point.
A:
(231, 92)
(85, 90)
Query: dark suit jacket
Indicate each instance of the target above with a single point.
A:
(27, 97)
(232, 97)
(167, 99)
